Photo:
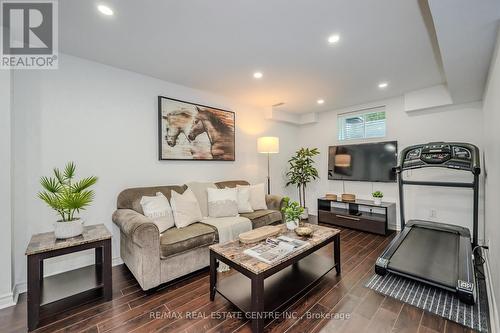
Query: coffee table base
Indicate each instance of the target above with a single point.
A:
(259, 295)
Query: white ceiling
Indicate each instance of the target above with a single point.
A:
(466, 32)
(217, 45)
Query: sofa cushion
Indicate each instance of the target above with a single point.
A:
(185, 208)
(263, 217)
(222, 202)
(131, 197)
(175, 240)
(200, 192)
(231, 183)
(158, 209)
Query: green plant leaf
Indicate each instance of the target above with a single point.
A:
(50, 184)
(83, 184)
(69, 171)
(59, 176)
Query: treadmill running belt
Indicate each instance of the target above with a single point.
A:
(428, 254)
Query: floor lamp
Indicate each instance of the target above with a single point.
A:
(268, 145)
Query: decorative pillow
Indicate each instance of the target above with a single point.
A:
(200, 192)
(222, 202)
(244, 205)
(158, 209)
(257, 196)
(186, 208)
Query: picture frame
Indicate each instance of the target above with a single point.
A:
(192, 131)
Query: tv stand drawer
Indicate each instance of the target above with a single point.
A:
(353, 222)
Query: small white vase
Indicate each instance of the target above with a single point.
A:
(292, 224)
(63, 230)
(377, 201)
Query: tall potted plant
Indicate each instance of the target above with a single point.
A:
(67, 197)
(301, 172)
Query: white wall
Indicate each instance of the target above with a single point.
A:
(105, 119)
(492, 166)
(5, 188)
(452, 123)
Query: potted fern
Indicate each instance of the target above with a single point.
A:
(67, 197)
(301, 172)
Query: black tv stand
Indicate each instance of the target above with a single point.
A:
(361, 215)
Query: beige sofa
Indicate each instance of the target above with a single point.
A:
(156, 258)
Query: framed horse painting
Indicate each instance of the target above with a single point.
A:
(189, 131)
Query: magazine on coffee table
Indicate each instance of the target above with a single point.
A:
(274, 249)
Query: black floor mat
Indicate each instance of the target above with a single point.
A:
(435, 300)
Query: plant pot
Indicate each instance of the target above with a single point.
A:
(305, 214)
(292, 224)
(63, 230)
(377, 201)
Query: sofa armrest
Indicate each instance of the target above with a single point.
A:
(136, 227)
(274, 202)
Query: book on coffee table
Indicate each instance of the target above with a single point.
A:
(274, 249)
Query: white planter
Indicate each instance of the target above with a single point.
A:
(305, 214)
(292, 224)
(377, 201)
(63, 230)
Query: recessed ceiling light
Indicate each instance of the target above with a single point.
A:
(105, 10)
(258, 75)
(383, 85)
(320, 101)
(333, 39)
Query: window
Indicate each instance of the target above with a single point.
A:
(361, 126)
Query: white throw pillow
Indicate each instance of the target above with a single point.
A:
(158, 209)
(244, 205)
(200, 192)
(257, 196)
(222, 202)
(186, 208)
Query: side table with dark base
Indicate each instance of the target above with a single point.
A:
(57, 292)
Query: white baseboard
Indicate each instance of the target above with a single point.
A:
(116, 261)
(7, 300)
(22, 287)
(494, 316)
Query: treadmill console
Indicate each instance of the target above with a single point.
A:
(449, 155)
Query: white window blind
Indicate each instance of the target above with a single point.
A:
(370, 124)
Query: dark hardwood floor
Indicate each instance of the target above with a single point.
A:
(133, 310)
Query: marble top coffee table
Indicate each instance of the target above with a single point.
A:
(284, 279)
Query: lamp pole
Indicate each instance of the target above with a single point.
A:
(268, 174)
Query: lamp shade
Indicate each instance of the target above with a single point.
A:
(268, 145)
(343, 160)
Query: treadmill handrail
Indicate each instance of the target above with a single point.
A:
(434, 183)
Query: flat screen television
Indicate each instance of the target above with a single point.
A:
(372, 162)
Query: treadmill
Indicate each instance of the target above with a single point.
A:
(436, 253)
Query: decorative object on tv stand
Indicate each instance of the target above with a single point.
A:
(67, 197)
(189, 131)
(302, 171)
(331, 196)
(268, 145)
(292, 212)
(377, 197)
(348, 197)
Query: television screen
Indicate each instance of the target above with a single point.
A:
(373, 162)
